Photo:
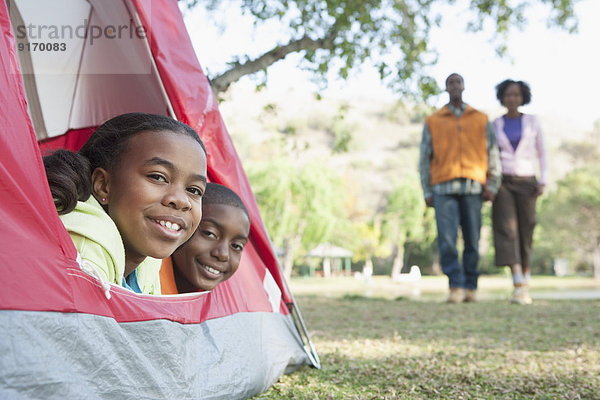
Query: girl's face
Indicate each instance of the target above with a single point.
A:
(512, 98)
(213, 254)
(154, 194)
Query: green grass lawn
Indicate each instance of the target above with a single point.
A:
(374, 344)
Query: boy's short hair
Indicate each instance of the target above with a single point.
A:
(219, 194)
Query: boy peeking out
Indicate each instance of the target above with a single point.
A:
(213, 253)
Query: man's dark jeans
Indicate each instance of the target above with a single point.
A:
(450, 212)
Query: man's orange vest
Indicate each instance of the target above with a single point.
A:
(459, 145)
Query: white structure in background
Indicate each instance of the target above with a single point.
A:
(411, 280)
(329, 252)
(413, 276)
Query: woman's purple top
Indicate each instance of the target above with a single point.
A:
(513, 129)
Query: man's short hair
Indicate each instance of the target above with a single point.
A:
(453, 74)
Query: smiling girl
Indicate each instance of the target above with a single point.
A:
(130, 196)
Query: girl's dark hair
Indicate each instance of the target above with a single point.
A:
(525, 90)
(70, 174)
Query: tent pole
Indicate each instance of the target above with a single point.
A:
(309, 348)
(134, 14)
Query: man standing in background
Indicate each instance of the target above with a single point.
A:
(460, 168)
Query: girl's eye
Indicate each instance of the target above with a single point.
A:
(195, 191)
(158, 177)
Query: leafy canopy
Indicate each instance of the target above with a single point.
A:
(570, 215)
(392, 35)
(297, 200)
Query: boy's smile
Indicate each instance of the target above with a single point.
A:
(213, 253)
(154, 194)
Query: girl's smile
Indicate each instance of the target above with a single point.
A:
(171, 227)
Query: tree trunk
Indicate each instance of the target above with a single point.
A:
(398, 262)
(596, 262)
(221, 82)
(436, 268)
(368, 269)
(288, 259)
(290, 245)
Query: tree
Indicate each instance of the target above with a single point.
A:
(299, 204)
(341, 35)
(369, 243)
(570, 217)
(406, 218)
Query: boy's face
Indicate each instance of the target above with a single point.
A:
(213, 253)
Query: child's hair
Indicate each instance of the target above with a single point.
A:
(70, 174)
(219, 194)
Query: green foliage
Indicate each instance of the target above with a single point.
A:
(341, 131)
(570, 215)
(305, 200)
(406, 215)
(391, 34)
(406, 220)
(370, 241)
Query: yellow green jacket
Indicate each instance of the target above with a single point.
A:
(100, 247)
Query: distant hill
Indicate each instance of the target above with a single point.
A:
(369, 141)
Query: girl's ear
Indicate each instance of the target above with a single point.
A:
(101, 185)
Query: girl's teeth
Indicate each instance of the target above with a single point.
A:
(212, 270)
(172, 226)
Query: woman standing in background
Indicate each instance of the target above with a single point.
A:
(521, 144)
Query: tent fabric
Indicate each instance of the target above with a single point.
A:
(194, 103)
(71, 288)
(64, 335)
(79, 86)
(121, 361)
(26, 210)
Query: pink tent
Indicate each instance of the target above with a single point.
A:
(64, 333)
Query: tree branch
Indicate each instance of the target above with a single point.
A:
(221, 82)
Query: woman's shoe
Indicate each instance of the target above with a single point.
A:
(520, 296)
(526, 297)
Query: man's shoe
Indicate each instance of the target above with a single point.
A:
(457, 295)
(470, 296)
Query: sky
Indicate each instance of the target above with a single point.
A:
(562, 69)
